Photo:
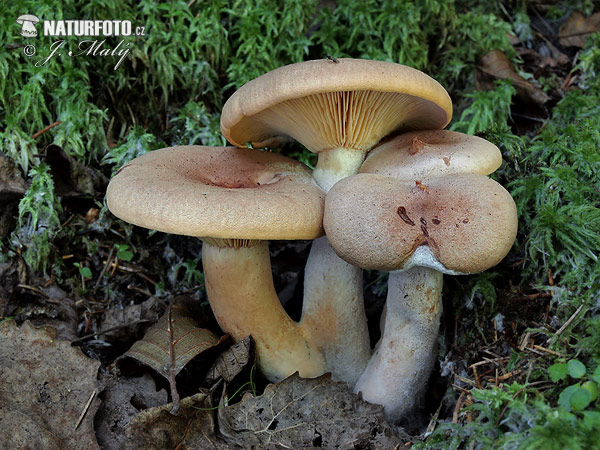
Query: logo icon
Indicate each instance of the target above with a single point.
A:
(28, 21)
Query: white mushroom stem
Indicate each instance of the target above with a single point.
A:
(335, 164)
(333, 312)
(397, 373)
(239, 285)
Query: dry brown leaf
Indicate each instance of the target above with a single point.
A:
(232, 361)
(72, 178)
(47, 306)
(124, 323)
(122, 400)
(300, 413)
(575, 31)
(45, 385)
(12, 187)
(171, 343)
(12, 184)
(496, 65)
(192, 428)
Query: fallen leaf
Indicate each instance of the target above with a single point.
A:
(72, 178)
(495, 64)
(232, 361)
(12, 188)
(123, 399)
(300, 413)
(45, 386)
(171, 343)
(12, 184)
(192, 428)
(47, 306)
(575, 31)
(11, 273)
(125, 322)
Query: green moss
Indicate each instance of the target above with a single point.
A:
(170, 91)
(38, 221)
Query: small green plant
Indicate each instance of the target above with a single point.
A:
(123, 252)
(84, 271)
(578, 396)
(192, 275)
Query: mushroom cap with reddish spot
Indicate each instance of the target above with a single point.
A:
(219, 192)
(468, 221)
(351, 103)
(425, 154)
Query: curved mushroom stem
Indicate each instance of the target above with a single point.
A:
(239, 285)
(398, 371)
(333, 312)
(335, 164)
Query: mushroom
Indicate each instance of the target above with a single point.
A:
(424, 154)
(339, 110)
(234, 200)
(28, 21)
(421, 219)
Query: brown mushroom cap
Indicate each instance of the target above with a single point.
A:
(219, 192)
(425, 154)
(376, 222)
(325, 105)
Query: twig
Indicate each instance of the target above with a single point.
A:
(49, 127)
(135, 288)
(532, 296)
(108, 330)
(174, 393)
(34, 289)
(108, 260)
(432, 423)
(533, 350)
(566, 324)
(476, 377)
(125, 268)
(492, 353)
(465, 380)
(85, 410)
(525, 341)
(508, 375)
(115, 266)
(461, 389)
(457, 408)
(64, 224)
(488, 361)
(547, 350)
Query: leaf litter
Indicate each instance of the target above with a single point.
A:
(172, 343)
(48, 391)
(298, 412)
(123, 400)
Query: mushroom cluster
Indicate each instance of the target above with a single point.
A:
(421, 206)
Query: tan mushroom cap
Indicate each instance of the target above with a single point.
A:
(324, 105)
(425, 154)
(219, 192)
(468, 221)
